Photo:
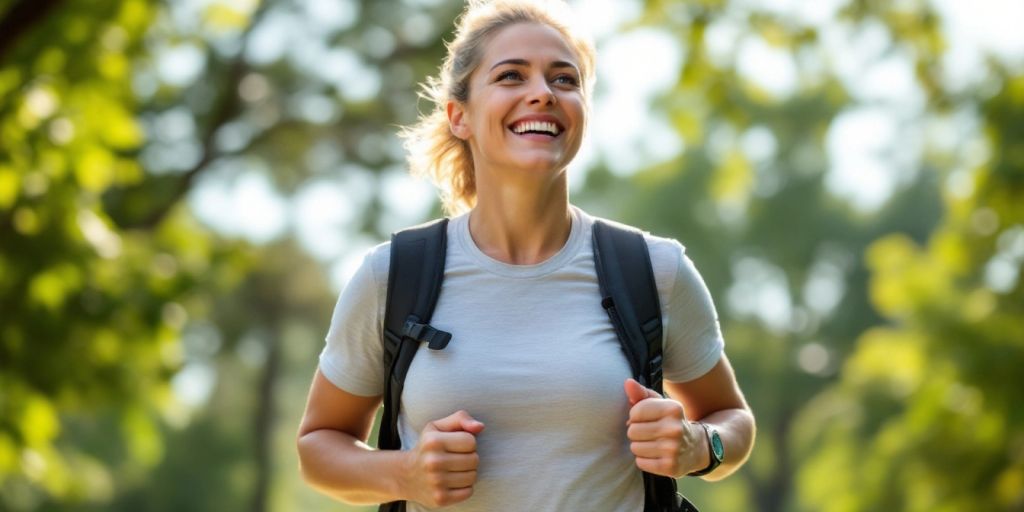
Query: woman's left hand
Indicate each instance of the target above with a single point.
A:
(662, 440)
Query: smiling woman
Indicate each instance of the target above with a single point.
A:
(481, 53)
(526, 111)
(550, 334)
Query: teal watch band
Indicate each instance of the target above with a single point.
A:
(716, 450)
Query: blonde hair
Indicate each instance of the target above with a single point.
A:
(433, 151)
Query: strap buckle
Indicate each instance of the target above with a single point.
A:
(436, 339)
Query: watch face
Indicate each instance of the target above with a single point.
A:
(716, 446)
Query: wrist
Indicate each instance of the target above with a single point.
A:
(401, 472)
(698, 456)
(704, 457)
(712, 449)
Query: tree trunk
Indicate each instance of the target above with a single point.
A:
(19, 19)
(773, 492)
(264, 419)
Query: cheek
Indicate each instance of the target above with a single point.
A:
(492, 116)
(576, 109)
(580, 116)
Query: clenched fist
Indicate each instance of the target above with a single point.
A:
(441, 468)
(661, 439)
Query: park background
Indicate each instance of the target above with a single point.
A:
(185, 186)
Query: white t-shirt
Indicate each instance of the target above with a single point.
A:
(535, 358)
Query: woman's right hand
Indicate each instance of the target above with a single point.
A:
(441, 469)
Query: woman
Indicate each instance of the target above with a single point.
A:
(530, 407)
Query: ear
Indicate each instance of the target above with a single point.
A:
(457, 119)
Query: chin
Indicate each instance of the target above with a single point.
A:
(541, 162)
(540, 166)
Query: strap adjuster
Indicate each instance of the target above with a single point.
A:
(436, 339)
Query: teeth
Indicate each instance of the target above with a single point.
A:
(536, 126)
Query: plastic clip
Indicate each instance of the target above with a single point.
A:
(435, 339)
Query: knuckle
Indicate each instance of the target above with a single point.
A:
(633, 431)
(468, 439)
(434, 480)
(675, 410)
(440, 498)
(637, 411)
(675, 430)
(430, 441)
(671, 444)
(432, 463)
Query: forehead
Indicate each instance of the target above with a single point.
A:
(534, 42)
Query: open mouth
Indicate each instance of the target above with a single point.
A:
(538, 130)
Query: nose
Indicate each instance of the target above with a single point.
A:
(541, 93)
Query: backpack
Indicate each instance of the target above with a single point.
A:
(629, 296)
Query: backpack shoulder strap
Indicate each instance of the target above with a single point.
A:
(415, 276)
(414, 283)
(629, 294)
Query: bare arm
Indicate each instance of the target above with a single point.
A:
(715, 398)
(333, 454)
(664, 437)
(335, 459)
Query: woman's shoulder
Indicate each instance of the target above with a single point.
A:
(372, 268)
(664, 250)
(661, 248)
(378, 257)
(666, 261)
(666, 253)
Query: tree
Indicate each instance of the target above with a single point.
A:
(91, 311)
(113, 115)
(104, 269)
(924, 416)
(785, 253)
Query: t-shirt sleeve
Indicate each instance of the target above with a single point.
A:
(693, 337)
(353, 356)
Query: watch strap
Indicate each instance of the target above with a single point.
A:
(716, 460)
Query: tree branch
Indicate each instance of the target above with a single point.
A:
(227, 107)
(19, 19)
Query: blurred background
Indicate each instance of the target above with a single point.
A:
(185, 186)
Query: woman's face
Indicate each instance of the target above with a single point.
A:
(526, 111)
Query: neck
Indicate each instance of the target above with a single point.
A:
(521, 225)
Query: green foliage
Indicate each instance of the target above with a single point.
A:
(105, 277)
(926, 404)
(882, 375)
(92, 312)
(898, 397)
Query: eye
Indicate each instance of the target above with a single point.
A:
(510, 74)
(567, 80)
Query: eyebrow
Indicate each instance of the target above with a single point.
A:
(524, 62)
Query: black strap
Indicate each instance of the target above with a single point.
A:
(629, 294)
(414, 284)
(628, 288)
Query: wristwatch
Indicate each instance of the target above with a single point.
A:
(715, 449)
